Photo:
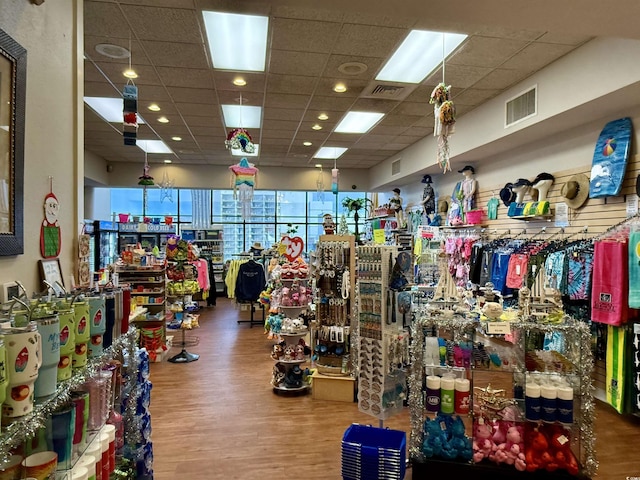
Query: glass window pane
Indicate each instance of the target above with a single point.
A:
(321, 203)
(233, 238)
(126, 200)
(313, 234)
(185, 205)
(263, 206)
(263, 233)
(159, 207)
(225, 207)
(292, 207)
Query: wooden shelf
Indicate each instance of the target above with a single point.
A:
(150, 292)
(533, 217)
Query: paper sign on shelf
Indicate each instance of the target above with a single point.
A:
(562, 215)
(632, 204)
(498, 328)
(378, 236)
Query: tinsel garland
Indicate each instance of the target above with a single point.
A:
(28, 425)
(132, 427)
(577, 339)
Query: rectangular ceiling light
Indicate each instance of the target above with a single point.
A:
(419, 55)
(153, 146)
(358, 122)
(239, 153)
(110, 109)
(245, 116)
(329, 152)
(237, 42)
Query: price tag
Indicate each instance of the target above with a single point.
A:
(378, 236)
(636, 328)
(498, 328)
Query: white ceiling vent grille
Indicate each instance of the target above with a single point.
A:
(395, 167)
(522, 106)
(387, 91)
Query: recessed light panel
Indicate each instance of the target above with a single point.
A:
(330, 152)
(419, 55)
(245, 116)
(358, 122)
(110, 109)
(153, 146)
(237, 42)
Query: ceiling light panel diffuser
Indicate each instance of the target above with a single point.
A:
(330, 152)
(237, 42)
(239, 153)
(153, 146)
(245, 116)
(358, 122)
(419, 55)
(110, 109)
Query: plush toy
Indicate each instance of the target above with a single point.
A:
(293, 379)
(433, 439)
(299, 352)
(302, 299)
(285, 299)
(482, 444)
(492, 310)
(278, 351)
(458, 444)
(289, 353)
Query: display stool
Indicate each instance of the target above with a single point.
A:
(337, 389)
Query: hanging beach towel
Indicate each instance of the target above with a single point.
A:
(616, 342)
(610, 286)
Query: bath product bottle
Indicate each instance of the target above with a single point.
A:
(532, 401)
(462, 400)
(548, 401)
(447, 386)
(564, 403)
(432, 403)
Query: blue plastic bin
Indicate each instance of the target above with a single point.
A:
(370, 453)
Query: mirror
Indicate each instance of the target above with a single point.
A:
(13, 75)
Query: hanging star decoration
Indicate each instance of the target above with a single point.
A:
(239, 139)
(445, 120)
(166, 188)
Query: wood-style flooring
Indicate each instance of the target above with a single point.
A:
(218, 418)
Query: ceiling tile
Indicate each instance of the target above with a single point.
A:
(387, 130)
(233, 97)
(347, 138)
(153, 94)
(355, 86)
(165, 24)
(458, 76)
(268, 133)
(474, 96)
(422, 94)
(304, 12)
(198, 110)
(277, 141)
(105, 19)
(270, 149)
(366, 18)
(281, 125)
(137, 53)
(191, 95)
(100, 89)
(374, 105)
(373, 65)
(207, 131)
(281, 100)
(166, 109)
(368, 41)
(537, 55)
(297, 63)
(486, 51)
(564, 38)
(411, 108)
(501, 79)
(201, 121)
(168, 54)
(399, 120)
(503, 32)
(224, 80)
(303, 35)
(146, 73)
(411, 139)
(271, 113)
(291, 84)
(377, 139)
(418, 131)
(181, 77)
(330, 103)
(427, 120)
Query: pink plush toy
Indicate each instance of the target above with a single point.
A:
(512, 451)
(482, 444)
(295, 299)
(285, 300)
(303, 295)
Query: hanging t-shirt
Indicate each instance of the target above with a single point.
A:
(492, 208)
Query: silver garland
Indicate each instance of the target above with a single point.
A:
(132, 422)
(578, 344)
(28, 425)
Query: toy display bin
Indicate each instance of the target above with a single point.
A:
(370, 453)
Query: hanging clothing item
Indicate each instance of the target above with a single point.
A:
(579, 278)
(610, 291)
(615, 376)
(250, 282)
(499, 271)
(517, 270)
(232, 276)
(634, 270)
(492, 208)
(203, 274)
(555, 268)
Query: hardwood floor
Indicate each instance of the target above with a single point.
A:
(218, 418)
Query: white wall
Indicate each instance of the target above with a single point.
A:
(49, 33)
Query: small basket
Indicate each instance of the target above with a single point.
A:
(474, 217)
(370, 453)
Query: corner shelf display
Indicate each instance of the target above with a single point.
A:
(509, 404)
(383, 347)
(290, 298)
(334, 272)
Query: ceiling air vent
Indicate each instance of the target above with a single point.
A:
(395, 167)
(387, 91)
(523, 106)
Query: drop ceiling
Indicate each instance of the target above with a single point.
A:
(308, 49)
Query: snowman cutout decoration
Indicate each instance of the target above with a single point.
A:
(50, 235)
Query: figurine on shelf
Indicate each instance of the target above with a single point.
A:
(542, 183)
(521, 188)
(428, 196)
(396, 205)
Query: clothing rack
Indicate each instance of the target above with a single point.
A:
(614, 228)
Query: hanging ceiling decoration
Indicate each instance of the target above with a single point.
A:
(239, 138)
(166, 188)
(444, 117)
(130, 109)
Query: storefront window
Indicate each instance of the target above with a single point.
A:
(126, 200)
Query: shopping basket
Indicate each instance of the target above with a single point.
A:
(370, 453)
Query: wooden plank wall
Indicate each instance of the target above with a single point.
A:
(596, 214)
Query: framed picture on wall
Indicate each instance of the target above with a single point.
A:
(51, 272)
(9, 290)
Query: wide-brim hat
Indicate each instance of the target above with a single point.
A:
(467, 168)
(426, 179)
(507, 195)
(443, 206)
(575, 191)
(396, 190)
(257, 246)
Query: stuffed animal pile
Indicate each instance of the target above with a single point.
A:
(445, 437)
